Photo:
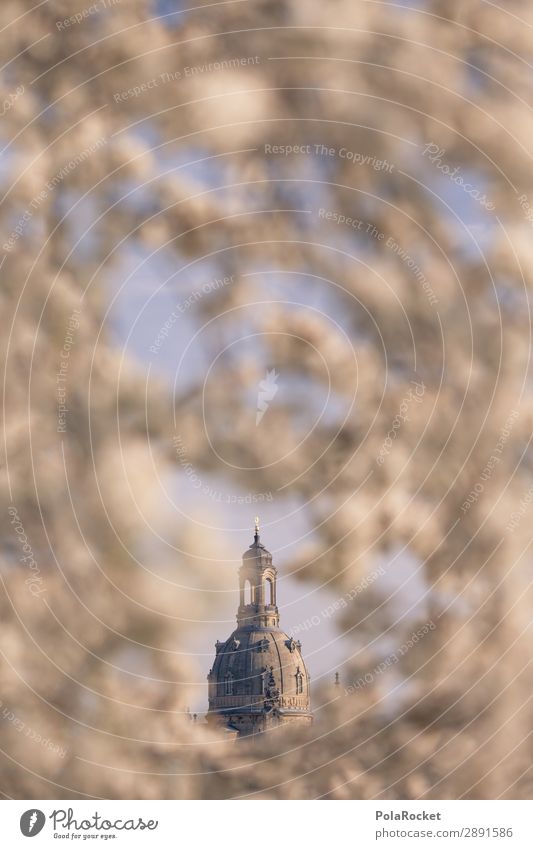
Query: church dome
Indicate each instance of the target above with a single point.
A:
(259, 678)
(251, 657)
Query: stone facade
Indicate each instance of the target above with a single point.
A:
(259, 680)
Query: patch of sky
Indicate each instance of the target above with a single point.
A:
(476, 79)
(409, 4)
(195, 172)
(145, 131)
(474, 225)
(202, 165)
(8, 161)
(309, 402)
(404, 589)
(80, 216)
(303, 288)
(148, 291)
(405, 585)
(511, 299)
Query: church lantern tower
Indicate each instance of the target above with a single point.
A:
(259, 680)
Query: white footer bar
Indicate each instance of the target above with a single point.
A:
(229, 825)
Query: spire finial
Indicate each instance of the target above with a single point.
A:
(256, 532)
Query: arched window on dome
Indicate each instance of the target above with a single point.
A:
(269, 594)
(228, 684)
(299, 682)
(248, 592)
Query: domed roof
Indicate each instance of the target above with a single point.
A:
(251, 653)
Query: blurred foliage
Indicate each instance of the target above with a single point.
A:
(91, 663)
